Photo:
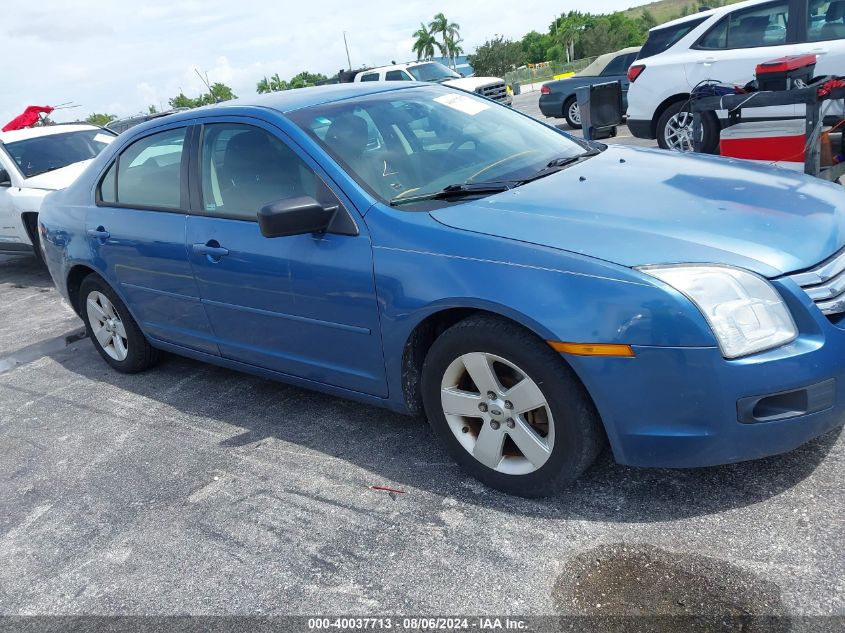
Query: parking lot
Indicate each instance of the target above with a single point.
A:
(190, 489)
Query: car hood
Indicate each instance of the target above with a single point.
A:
(58, 178)
(636, 207)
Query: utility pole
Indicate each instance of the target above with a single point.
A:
(348, 61)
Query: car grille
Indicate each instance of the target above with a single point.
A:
(825, 284)
(496, 91)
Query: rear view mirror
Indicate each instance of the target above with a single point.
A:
(294, 216)
(5, 180)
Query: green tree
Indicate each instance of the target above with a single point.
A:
(424, 43)
(152, 110)
(273, 84)
(566, 31)
(449, 33)
(219, 92)
(647, 20)
(100, 119)
(183, 101)
(536, 47)
(497, 56)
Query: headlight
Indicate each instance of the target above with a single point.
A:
(745, 312)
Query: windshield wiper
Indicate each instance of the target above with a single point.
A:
(556, 164)
(455, 191)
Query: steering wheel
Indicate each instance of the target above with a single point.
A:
(461, 141)
(500, 162)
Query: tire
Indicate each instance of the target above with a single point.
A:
(563, 434)
(571, 113)
(127, 354)
(680, 110)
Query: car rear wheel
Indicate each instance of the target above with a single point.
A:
(674, 129)
(572, 113)
(112, 329)
(508, 409)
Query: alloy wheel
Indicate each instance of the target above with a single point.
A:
(678, 132)
(574, 113)
(497, 413)
(106, 326)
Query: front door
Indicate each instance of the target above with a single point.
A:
(302, 305)
(137, 236)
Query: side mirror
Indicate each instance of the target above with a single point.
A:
(294, 216)
(5, 179)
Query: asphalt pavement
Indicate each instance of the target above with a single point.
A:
(190, 489)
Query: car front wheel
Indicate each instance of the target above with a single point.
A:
(112, 329)
(674, 129)
(572, 113)
(508, 409)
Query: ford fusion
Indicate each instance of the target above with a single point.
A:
(430, 251)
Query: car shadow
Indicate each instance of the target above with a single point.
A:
(24, 271)
(402, 451)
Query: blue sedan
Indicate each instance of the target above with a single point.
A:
(426, 250)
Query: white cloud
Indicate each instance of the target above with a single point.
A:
(121, 56)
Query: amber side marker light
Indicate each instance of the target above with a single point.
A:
(592, 349)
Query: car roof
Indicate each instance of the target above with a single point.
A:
(46, 130)
(401, 66)
(728, 8)
(298, 98)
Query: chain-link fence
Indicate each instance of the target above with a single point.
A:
(546, 71)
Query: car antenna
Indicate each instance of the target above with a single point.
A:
(207, 85)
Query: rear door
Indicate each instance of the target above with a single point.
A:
(10, 220)
(730, 50)
(137, 237)
(303, 305)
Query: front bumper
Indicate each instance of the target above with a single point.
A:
(680, 407)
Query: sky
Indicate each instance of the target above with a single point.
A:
(119, 57)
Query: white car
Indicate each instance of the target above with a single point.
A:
(725, 45)
(490, 87)
(34, 162)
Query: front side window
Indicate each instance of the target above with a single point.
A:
(396, 75)
(749, 28)
(41, 154)
(245, 168)
(417, 141)
(826, 20)
(149, 172)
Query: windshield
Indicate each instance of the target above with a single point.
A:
(417, 141)
(41, 154)
(432, 71)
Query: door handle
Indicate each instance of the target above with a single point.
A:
(707, 61)
(99, 233)
(816, 51)
(211, 248)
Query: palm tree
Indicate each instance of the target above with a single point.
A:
(454, 47)
(447, 30)
(424, 44)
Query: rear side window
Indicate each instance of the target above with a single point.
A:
(370, 77)
(826, 20)
(660, 40)
(749, 28)
(148, 173)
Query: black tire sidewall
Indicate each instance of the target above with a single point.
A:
(569, 121)
(709, 123)
(576, 427)
(140, 353)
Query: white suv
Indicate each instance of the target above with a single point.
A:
(726, 44)
(34, 162)
(490, 87)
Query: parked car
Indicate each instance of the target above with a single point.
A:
(726, 44)
(422, 249)
(121, 125)
(33, 162)
(490, 87)
(558, 99)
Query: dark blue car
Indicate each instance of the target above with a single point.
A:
(423, 249)
(558, 99)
